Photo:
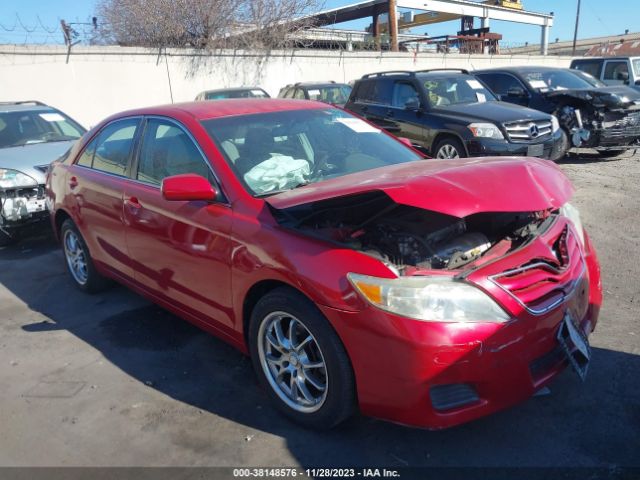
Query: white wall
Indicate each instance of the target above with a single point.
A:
(99, 81)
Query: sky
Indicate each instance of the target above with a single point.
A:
(37, 21)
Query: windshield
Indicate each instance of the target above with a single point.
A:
(249, 93)
(553, 80)
(455, 90)
(278, 151)
(589, 78)
(36, 126)
(338, 94)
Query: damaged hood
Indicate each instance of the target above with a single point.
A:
(615, 96)
(458, 188)
(26, 158)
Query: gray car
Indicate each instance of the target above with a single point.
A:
(32, 135)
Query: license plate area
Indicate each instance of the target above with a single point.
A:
(575, 345)
(535, 150)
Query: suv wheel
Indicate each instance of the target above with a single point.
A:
(78, 260)
(300, 360)
(449, 148)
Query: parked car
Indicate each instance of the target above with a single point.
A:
(450, 114)
(32, 135)
(351, 270)
(224, 93)
(328, 92)
(606, 118)
(611, 70)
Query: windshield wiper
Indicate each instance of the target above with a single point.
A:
(275, 192)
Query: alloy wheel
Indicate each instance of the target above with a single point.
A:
(292, 362)
(76, 257)
(447, 151)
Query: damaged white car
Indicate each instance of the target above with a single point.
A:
(32, 135)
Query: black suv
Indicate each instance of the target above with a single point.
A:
(592, 114)
(450, 114)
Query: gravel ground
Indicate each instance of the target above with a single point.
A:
(112, 380)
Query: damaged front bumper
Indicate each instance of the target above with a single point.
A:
(21, 207)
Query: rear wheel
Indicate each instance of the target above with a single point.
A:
(78, 260)
(300, 360)
(449, 148)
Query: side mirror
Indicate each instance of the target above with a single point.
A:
(187, 187)
(624, 76)
(412, 104)
(516, 92)
(406, 141)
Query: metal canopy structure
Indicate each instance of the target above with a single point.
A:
(439, 10)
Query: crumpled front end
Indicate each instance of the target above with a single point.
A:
(20, 206)
(601, 119)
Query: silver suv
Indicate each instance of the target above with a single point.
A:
(32, 135)
(611, 70)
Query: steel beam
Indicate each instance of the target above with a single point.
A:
(465, 8)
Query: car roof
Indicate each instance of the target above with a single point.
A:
(225, 108)
(232, 89)
(522, 69)
(317, 84)
(24, 106)
(614, 57)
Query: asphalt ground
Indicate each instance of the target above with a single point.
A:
(111, 380)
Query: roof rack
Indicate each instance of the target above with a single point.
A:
(390, 72)
(25, 102)
(461, 70)
(412, 73)
(313, 83)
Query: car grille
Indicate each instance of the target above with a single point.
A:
(616, 126)
(528, 131)
(541, 284)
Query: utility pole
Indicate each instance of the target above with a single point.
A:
(393, 26)
(575, 33)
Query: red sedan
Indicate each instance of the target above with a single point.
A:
(355, 273)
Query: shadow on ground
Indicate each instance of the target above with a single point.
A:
(595, 423)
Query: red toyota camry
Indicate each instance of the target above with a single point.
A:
(355, 273)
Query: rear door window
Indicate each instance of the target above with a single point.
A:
(501, 83)
(113, 147)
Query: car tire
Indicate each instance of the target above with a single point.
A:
(449, 148)
(322, 392)
(563, 148)
(78, 260)
(6, 239)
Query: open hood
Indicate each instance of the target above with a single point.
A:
(458, 188)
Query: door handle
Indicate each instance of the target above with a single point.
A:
(390, 113)
(365, 109)
(73, 183)
(133, 203)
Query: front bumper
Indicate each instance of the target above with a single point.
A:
(551, 146)
(400, 363)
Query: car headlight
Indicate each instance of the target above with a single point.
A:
(555, 124)
(573, 215)
(431, 299)
(485, 130)
(15, 179)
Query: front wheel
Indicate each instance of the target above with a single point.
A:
(449, 148)
(300, 360)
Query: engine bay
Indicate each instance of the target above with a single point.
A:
(406, 237)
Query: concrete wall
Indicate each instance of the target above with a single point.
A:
(95, 82)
